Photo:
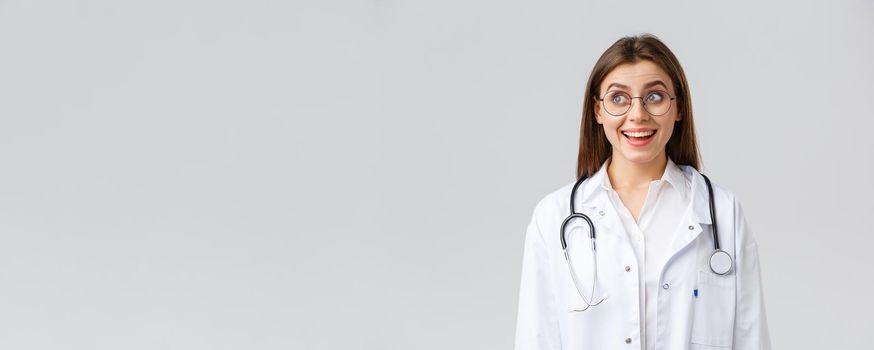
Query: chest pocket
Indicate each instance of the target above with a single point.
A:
(713, 321)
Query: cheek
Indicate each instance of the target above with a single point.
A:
(666, 132)
(612, 132)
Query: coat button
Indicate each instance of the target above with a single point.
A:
(691, 227)
(627, 340)
(627, 268)
(666, 286)
(601, 213)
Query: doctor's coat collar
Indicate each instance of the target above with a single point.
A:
(685, 179)
(673, 175)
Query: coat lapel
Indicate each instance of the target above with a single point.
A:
(697, 214)
(593, 201)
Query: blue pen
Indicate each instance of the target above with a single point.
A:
(696, 292)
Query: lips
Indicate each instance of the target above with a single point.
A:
(639, 141)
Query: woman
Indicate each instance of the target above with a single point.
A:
(653, 276)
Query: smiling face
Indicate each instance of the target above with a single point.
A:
(641, 78)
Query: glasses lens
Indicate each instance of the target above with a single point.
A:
(657, 102)
(617, 102)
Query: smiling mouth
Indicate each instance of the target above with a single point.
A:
(639, 136)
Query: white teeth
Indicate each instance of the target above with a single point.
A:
(639, 134)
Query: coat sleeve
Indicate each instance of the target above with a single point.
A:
(751, 324)
(536, 320)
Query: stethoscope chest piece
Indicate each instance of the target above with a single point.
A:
(720, 262)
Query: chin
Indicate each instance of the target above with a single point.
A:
(640, 157)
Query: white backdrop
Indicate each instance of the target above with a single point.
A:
(358, 174)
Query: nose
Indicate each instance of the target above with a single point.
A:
(637, 112)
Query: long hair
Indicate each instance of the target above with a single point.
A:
(682, 147)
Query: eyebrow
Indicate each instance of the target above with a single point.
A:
(647, 85)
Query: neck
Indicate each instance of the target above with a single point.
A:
(628, 175)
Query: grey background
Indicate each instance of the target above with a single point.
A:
(359, 175)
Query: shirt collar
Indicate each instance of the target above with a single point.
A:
(672, 175)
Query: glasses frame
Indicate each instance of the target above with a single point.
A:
(631, 104)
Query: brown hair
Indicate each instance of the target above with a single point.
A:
(682, 148)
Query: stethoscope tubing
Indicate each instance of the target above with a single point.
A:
(720, 261)
(574, 215)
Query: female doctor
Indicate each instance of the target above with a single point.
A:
(647, 261)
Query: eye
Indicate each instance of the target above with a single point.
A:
(618, 98)
(655, 97)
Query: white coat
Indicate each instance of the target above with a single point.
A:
(728, 312)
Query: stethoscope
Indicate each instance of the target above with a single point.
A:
(720, 261)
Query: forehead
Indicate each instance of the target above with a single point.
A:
(635, 75)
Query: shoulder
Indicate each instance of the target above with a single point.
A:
(722, 194)
(729, 207)
(726, 197)
(553, 202)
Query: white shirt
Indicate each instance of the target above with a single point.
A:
(661, 213)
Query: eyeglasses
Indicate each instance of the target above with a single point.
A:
(656, 102)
